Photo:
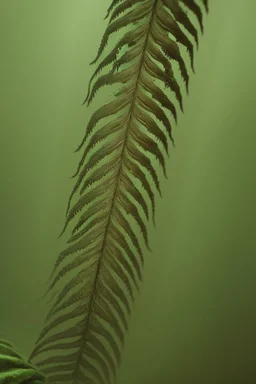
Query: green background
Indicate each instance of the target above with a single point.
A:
(194, 321)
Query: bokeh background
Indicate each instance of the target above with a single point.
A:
(194, 321)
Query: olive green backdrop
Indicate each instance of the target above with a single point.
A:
(194, 321)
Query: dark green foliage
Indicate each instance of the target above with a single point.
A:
(116, 182)
(14, 369)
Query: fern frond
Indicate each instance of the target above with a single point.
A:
(116, 182)
(14, 369)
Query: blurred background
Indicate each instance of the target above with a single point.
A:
(194, 321)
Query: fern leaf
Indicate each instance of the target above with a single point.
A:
(116, 182)
(14, 369)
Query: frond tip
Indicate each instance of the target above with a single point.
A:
(116, 183)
